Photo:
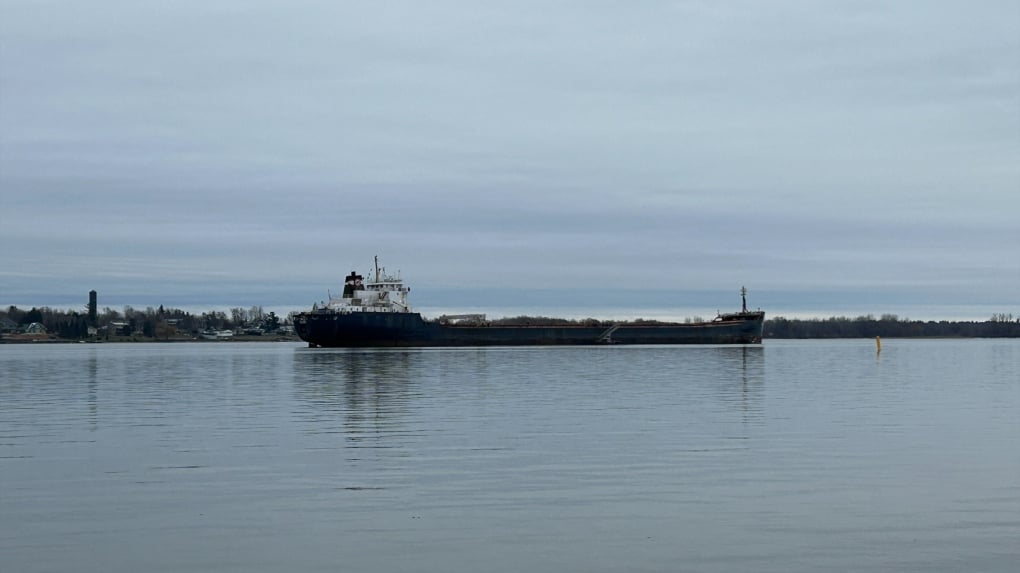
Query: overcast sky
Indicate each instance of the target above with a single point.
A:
(834, 157)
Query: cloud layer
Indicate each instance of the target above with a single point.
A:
(204, 149)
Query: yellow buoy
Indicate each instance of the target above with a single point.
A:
(878, 343)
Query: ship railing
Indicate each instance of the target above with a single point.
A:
(348, 309)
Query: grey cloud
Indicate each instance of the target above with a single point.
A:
(800, 146)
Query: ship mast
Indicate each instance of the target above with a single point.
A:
(377, 268)
(743, 298)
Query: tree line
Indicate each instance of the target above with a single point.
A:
(155, 323)
(166, 323)
(891, 326)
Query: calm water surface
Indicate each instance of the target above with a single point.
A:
(791, 456)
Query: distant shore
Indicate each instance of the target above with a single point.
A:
(46, 325)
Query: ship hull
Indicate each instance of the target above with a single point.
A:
(398, 329)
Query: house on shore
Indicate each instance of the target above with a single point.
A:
(34, 328)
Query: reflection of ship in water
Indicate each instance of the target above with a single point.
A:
(362, 394)
(390, 398)
(742, 373)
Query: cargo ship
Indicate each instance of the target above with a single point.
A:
(376, 313)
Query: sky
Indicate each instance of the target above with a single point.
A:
(592, 158)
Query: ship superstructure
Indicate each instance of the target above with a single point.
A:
(384, 293)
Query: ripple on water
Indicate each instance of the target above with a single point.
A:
(790, 456)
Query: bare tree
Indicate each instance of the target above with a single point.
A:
(256, 315)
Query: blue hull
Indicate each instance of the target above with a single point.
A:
(383, 329)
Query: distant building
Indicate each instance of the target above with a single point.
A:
(92, 307)
(35, 328)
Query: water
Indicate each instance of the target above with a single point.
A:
(793, 456)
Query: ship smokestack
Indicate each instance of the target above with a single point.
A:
(351, 284)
